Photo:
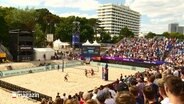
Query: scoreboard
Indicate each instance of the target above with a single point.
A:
(90, 51)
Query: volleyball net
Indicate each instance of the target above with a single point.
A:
(88, 67)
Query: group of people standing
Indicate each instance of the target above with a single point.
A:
(89, 71)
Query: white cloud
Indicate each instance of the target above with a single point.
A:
(145, 28)
(32, 3)
(77, 14)
(160, 12)
(4, 5)
(80, 4)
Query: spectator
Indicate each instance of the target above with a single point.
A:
(174, 88)
(44, 101)
(50, 101)
(86, 96)
(134, 91)
(140, 85)
(64, 96)
(182, 74)
(157, 77)
(125, 97)
(95, 91)
(58, 100)
(162, 92)
(101, 96)
(176, 72)
(57, 95)
(149, 95)
(109, 99)
(111, 90)
(122, 87)
(70, 101)
(91, 101)
(153, 85)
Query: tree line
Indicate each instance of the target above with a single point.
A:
(166, 34)
(43, 22)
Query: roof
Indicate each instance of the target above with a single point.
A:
(87, 43)
(95, 43)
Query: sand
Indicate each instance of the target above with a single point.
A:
(6, 98)
(52, 82)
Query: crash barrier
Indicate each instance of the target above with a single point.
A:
(14, 72)
(23, 91)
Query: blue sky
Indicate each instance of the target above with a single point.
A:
(155, 14)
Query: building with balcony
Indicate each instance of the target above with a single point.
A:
(115, 17)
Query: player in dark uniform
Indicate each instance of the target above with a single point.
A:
(92, 72)
(66, 77)
(86, 73)
(121, 77)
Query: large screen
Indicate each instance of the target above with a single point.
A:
(90, 51)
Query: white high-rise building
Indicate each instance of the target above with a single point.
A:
(115, 17)
(181, 29)
(173, 27)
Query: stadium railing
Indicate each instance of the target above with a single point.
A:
(9, 73)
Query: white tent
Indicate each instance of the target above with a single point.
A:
(87, 43)
(40, 52)
(57, 44)
(95, 43)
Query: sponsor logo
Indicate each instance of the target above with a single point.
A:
(26, 94)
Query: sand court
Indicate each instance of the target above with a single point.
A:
(6, 98)
(52, 82)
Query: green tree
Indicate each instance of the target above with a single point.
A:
(166, 34)
(105, 37)
(3, 32)
(21, 19)
(125, 32)
(115, 39)
(176, 35)
(87, 33)
(64, 30)
(40, 37)
(150, 35)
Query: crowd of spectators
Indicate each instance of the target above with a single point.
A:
(156, 49)
(156, 85)
(176, 55)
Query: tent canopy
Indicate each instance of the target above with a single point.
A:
(87, 43)
(95, 43)
(40, 52)
(57, 44)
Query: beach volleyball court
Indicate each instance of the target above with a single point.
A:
(52, 82)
